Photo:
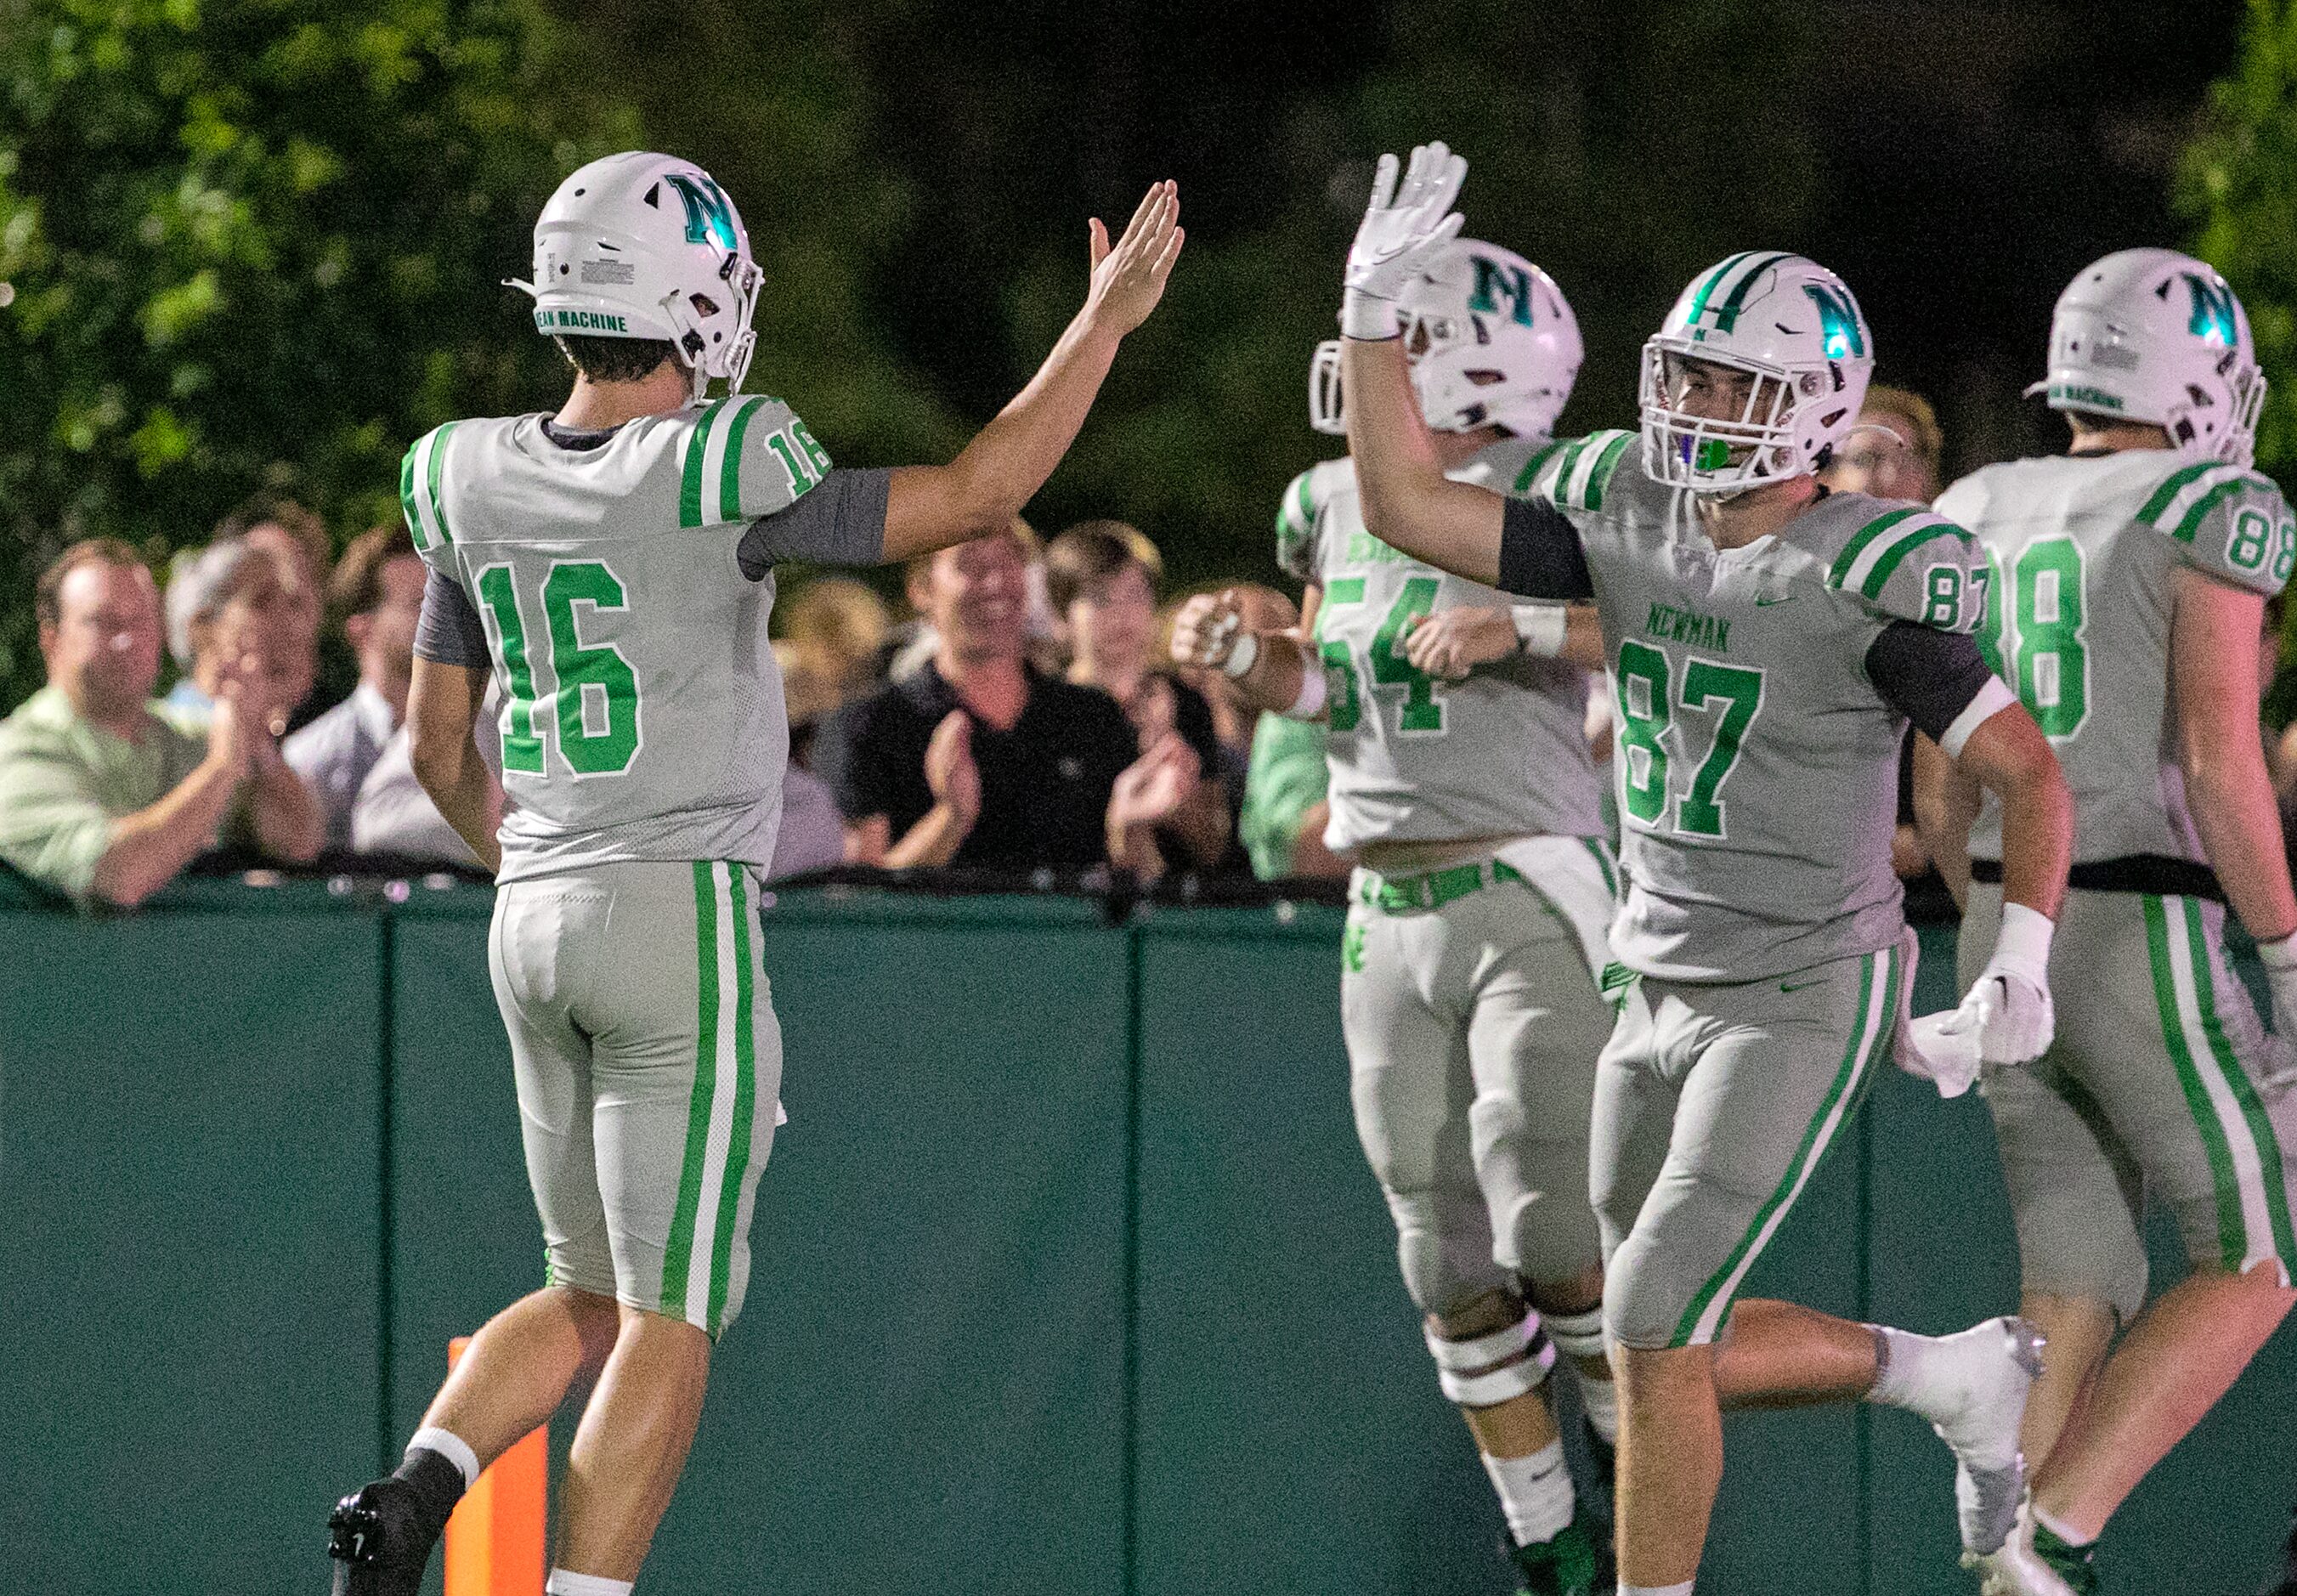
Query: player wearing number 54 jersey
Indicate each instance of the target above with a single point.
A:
(1469, 996)
(1769, 644)
(609, 568)
(2130, 577)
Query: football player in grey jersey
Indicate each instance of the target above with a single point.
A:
(2128, 577)
(1469, 993)
(1769, 643)
(609, 568)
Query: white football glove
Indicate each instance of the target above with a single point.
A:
(2007, 1017)
(1404, 230)
(2280, 961)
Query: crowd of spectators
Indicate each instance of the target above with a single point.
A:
(1025, 718)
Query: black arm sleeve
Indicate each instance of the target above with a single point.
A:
(841, 523)
(449, 632)
(1540, 556)
(1928, 676)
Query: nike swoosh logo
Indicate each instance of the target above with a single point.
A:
(1765, 603)
(1797, 986)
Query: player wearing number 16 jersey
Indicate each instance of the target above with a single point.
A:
(1769, 642)
(2130, 575)
(1469, 995)
(610, 569)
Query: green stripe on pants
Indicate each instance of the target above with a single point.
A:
(2233, 1243)
(677, 1257)
(738, 1141)
(1815, 1139)
(2238, 1082)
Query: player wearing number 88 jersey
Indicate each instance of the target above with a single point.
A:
(2129, 577)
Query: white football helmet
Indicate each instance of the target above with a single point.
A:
(1490, 338)
(2156, 336)
(640, 245)
(1794, 327)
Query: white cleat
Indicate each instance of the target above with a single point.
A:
(2001, 1360)
(2014, 1569)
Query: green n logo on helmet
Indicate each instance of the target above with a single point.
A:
(1493, 283)
(708, 215)
(2215, 319)
(1839, 331)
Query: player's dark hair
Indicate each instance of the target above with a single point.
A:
(613, 360)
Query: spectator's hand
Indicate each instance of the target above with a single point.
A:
(231, 732)
(1206, 628)
(1451, 643)
(1154, 711)
(1151, 790)
(1128, 279)
(951, 774)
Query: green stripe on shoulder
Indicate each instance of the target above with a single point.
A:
(730, 474)
(2172, 486)
(2211, 500)
(438, 464)
(697, 446)
(407, 498)
(1879, 577)
(1606, 464)
(1840, 571)
(1532, 467)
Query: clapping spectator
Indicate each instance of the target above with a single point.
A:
(1101, 579)
(378, 597)
(229, 616)
(297, 542)
(979, 759)
(100, 797)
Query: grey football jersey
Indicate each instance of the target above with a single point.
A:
(2082, 552)
(1756, 763)
(642, 713)
(1412, 758)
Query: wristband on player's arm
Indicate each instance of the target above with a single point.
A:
(1540, 629)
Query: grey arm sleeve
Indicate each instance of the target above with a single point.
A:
(841, 523)
(1928, 676)
(450, 632)
(1540, 556)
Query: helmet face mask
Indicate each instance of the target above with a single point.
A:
(647, 246)
(1490, 339)
(2158, 338)
(1755, 377)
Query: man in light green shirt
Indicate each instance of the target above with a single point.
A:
(101, 799)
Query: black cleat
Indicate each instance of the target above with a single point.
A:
(2286, 1584)
(379, 1540)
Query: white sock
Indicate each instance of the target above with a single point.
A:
(563, 1583)
(1923, 1373)
(450, 1446)
(1682, 1589)
(1535, 1493)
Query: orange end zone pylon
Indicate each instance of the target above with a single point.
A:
(495, 1539)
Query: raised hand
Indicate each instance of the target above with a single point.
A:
(1403, 229)
(1152, 789)
(1205, 629)
(951, 774)
(1128, 278)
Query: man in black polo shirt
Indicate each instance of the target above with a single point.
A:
(979, 760)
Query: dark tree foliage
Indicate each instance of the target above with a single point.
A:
(256, 244)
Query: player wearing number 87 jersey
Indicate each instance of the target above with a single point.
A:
(609, 569)
(1770, 643)
(2128, 579)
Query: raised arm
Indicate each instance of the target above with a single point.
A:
(1409, 503)
(995, 476)
(1273, 671)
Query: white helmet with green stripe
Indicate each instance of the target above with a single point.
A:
(1490, 337)
(640, 245)
(2154, 336)
(1795, 330)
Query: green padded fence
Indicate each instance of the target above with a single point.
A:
(1068, 1278)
